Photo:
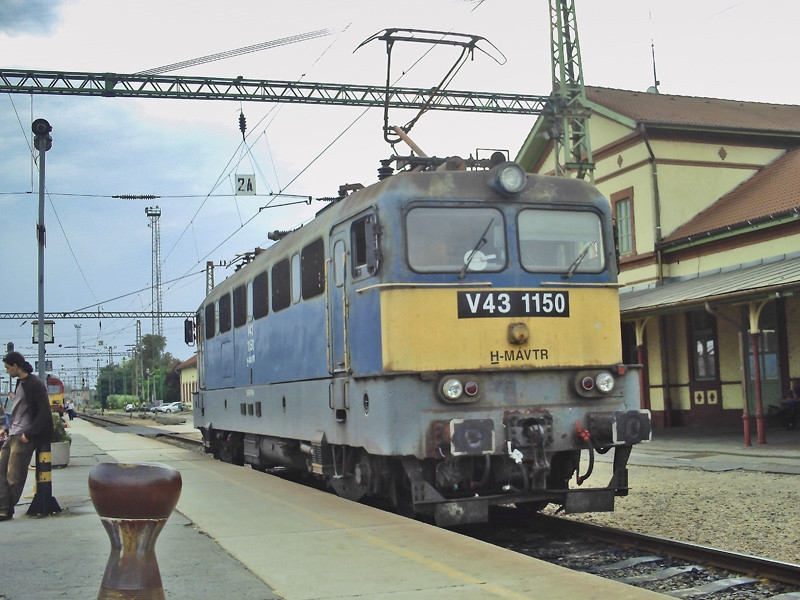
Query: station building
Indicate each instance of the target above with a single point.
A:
(706, 197)
(188, 372)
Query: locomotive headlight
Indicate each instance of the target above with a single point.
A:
(452, 388)
(509, 178)
(599, 383)
(604, 382)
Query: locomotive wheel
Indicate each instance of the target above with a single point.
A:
(354, 486)
(346, 487)
(230, 450)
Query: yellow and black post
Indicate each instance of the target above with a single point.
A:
(43, 503)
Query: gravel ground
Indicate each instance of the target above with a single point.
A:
(740, 511)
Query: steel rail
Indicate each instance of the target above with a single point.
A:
(754, 566)
(119, 421)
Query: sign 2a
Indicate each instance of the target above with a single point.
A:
(245, 184)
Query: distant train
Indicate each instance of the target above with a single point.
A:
(55, 390)
(448, 339)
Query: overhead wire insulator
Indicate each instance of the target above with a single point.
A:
(242, 124)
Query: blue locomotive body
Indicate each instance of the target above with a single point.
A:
(446, 338)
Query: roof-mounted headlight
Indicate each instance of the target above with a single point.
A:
(508, 178)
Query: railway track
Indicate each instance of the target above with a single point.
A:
(674, 568)
(142, 429)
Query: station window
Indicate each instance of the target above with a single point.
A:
(281, 291)
(225, 313)
(295, 279)
(768, 344)
(239, 305)
(622, 208)
(704, 345)
(210, 321)
(312, 260)
(261, 295)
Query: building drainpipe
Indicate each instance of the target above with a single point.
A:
(665, 374)
(656, 201)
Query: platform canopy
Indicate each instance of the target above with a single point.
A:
(775, 277)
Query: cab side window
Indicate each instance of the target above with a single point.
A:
(364, 243)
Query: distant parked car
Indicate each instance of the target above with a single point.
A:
(130, 407)
(170, 407)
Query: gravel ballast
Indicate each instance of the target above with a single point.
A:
(740, 511)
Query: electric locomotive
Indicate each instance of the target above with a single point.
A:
(447, 338)
(55, 391)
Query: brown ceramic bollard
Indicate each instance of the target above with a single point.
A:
(134, 502)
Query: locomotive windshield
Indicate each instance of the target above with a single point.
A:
(560, 241)
(444, 240)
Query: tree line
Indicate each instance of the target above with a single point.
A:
(148, 375)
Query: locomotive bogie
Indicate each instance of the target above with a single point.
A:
(451, 338)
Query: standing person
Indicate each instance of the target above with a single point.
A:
(71, 410)
(30, 425)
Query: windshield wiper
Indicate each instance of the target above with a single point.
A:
(477, 247)
(576, 263)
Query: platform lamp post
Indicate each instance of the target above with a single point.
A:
(43, 142)
(43, 503)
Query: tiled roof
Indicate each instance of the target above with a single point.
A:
(192, 362)
(701, 112)
(775, 189)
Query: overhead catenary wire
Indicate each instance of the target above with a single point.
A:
(236, 52)
(84, 308)
(274, 110)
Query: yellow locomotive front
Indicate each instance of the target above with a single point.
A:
(499, 329)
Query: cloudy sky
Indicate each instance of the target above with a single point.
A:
(187, 152)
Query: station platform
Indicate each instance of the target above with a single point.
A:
(240, 533)
(721, 449)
